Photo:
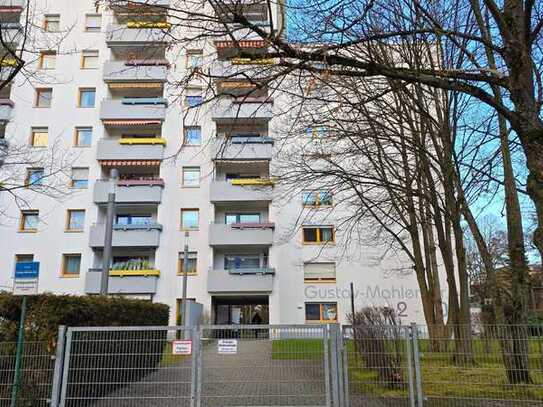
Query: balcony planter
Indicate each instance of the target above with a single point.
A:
(134, 273)
(143, 141)
(254, 181)
(148, 24)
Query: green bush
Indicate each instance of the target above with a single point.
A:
(99, 359)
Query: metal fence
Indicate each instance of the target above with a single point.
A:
(37, 364)
(288, 365)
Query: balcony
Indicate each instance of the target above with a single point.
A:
(12, 31)
(242, 148)
(130, 191)
(7, 4)
(146, 3)
(126, 71)
(141, 282)
(121, 109)
(120, 35)
(235, 111)
(224, 191)
(240, 280)
(114, 150)
(249, 234)
(6, 107)
(126, 235)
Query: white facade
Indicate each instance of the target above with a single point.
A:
(279, 281)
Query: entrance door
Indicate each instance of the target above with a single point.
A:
(246, 310)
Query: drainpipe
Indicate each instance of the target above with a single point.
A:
(106, 261)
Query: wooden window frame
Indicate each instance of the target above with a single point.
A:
(42, 55)
(321, 280)
(46, 22)
(72, 177)
(93, 29)
(27, 177)
(183, 177)
(180, 260)
(80, 91)
(35, 130)
(185, 131)
(76, 136)
(24, 213)
(68, 217)
(37, 98)
(321, 307)
(318, 235)
(181, 220)
(317, 200)
(63, 273)
(83, 58)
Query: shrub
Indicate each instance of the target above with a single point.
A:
(118, 355)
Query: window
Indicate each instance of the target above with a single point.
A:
(316, 198)
(51, 23)
(192, 263)
(320, 272)
(83, 136)
(80, 178)
(93, 22)
(71, 265)
(191, 176)
(39, 136)
(43, 97)
(316, 131)
(24, 258)
(193, 136)
(75, 221)
(29, 221)
(324, 312)
(34, 176)
(242, 218)
(318, 234)
(189, 219)
(89, 60)
(134, 220)
(242, 262)
(131, 263)
(195, 59)
(48, 60)
(87, 97)
(194, 101)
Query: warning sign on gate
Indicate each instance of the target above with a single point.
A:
(228, 346)
(182, 347)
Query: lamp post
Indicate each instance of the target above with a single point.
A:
(106, 261)
(185, 281)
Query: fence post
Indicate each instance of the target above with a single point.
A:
(326, 355)
(334, 365)
(65, 368)
(194, 331)
(199, 363)
(345, 364)
(57, 372)
(409, 354)
(416, 359)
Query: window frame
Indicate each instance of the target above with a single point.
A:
(186, 170)
(68, 227)
(185, 210)
(320, 279)
(80, 92)
(321, 313)
(43, 55)
(180, 259)
(42, 91)
(318, 240)
(318, 199)
(47, 21)
(39, 130)
(185, 138)
(76, 136)
(72, 183)
(63, 272)
(29, 172)
(24, 214)
(90, 53)
(93, 29)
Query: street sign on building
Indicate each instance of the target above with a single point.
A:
(25, 280)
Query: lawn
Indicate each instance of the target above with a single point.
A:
(486, 378)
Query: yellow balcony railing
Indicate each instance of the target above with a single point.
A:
(253, 181)
(134, 273)
(148, 24)
(146, 140)
(8, 62)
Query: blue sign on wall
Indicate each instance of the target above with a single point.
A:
(27, 270)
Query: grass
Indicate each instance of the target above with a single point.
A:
(169, 359)
(486, 378)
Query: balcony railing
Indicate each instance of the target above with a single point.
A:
(250, 280)
(113, 150)
(231, 111)
(127, 235)
(243, 148)
(142, 282)
(127, 71)
(130, 192)
(6, 107)
(225, 191)
(259, 234)
(122, 110)
(120, 35)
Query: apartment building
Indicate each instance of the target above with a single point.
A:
(107, 97)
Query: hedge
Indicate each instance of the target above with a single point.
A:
(102, 364)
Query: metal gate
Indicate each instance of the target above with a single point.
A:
(229, 365)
